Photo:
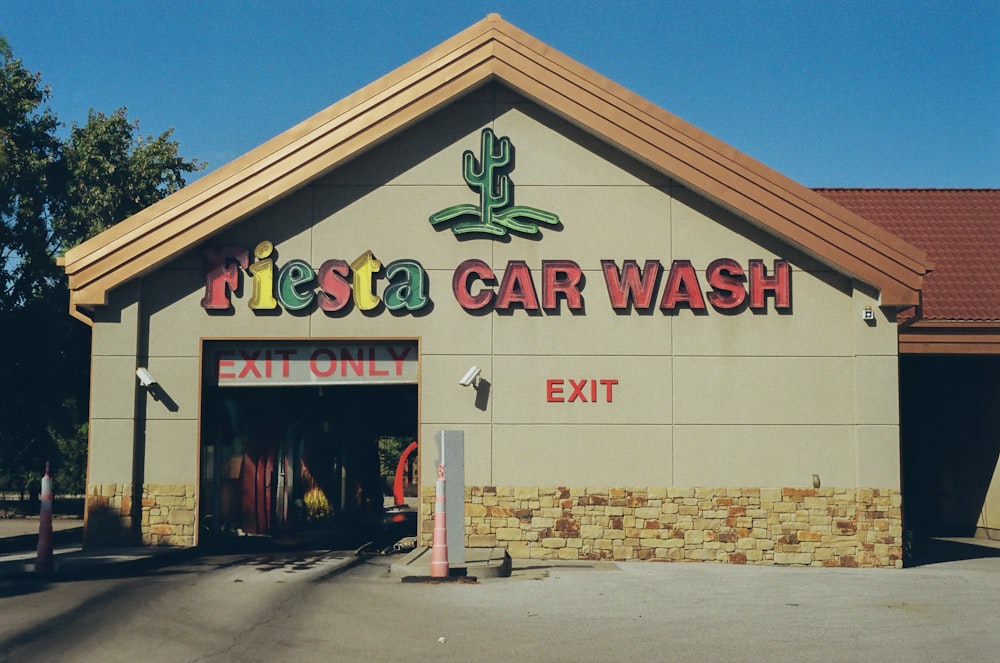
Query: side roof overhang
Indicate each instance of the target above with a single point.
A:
(494, 50)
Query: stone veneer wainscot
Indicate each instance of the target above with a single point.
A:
(168, 514)
(849, 527)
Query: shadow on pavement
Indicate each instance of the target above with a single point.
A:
(347, 535)
(109, 563)
(938, 551)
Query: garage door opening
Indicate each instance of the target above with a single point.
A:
(290, 460)
(950, 433)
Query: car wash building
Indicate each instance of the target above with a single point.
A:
(656, 347)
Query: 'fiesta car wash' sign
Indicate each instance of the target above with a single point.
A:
(402, 285)
(267, 363)
(364, 284)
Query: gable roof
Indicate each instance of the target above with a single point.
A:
(493, 49)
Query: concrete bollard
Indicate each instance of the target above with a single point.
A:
(439, 552)
(43, 563)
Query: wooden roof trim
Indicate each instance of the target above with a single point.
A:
(261, 158)
(741, 190)
(490, 49)
(242, 199)
(950, 338)
(353, 105)
(285, 165)
(700, 141)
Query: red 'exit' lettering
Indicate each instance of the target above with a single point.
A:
(558, 390)
(257, 364)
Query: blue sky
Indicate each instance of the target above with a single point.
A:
(838, 93)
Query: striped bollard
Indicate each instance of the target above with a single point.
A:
(43, 563)
(439, 552)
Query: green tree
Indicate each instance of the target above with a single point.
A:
(54, 194)
(112, 171)
(29, 158)
(29, 166)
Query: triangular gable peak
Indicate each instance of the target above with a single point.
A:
(494, 50)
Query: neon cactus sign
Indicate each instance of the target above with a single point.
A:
(489, 175)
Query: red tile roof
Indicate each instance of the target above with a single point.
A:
(960, 231)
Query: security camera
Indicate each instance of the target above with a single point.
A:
(145, 377)
(471, 376)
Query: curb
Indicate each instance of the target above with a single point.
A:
(93, 564)
(23, 543)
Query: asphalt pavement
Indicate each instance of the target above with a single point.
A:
(71, 561)
(945, 609)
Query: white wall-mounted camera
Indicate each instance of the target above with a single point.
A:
(471, 377)
(146, 379)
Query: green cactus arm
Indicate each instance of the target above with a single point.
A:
(502, 159)
(480, 171)
(473, 170)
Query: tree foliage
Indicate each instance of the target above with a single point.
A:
(56, 192)
(113, 172)
(29, 154)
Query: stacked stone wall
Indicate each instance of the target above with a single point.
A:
(108, 520)
(765, 526)
(168, 515)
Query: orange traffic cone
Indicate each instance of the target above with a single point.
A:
(439, 552)
(43, 563)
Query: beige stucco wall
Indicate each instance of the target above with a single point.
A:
(988, 524)
(736, 400)
(112, 394)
